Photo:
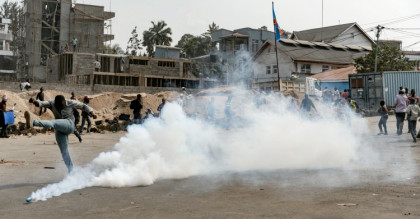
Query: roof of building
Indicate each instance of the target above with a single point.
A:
(326, 34)
(168, 47)
(305, 53)
(341, 74)
(235, 35)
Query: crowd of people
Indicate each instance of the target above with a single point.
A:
(406, 108)
(67, 116)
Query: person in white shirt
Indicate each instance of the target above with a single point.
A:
(25, 86)
(400, 104)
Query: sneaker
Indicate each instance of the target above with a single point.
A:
(380, 133)
(414, 139)
(386, 133)
(29, 120)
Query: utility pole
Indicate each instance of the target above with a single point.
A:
(378, 33)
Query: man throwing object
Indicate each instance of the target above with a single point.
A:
(63, 123)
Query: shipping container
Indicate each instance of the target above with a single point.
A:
(394, 80)
(368, 89)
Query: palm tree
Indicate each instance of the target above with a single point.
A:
(212, 27)
(158, 34)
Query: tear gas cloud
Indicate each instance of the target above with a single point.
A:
(275, 136)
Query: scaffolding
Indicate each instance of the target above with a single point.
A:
(50, 33)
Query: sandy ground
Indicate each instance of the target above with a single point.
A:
(275, 194)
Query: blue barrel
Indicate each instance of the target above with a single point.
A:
(9, 118)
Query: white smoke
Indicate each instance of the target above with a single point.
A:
(273, 137)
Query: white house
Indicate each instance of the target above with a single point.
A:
(300, 59)
(344, 34)
(7, 65)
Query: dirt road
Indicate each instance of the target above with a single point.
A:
(333, 193)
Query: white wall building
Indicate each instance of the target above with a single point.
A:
(300, 59)
(7, 64)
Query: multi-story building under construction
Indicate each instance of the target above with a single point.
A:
(51, 26)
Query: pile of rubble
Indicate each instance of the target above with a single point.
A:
(107, 106)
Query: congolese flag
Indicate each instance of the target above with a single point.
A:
(277, 29)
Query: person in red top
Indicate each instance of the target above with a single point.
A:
(3, 102)
(345, 94)
(413, 96)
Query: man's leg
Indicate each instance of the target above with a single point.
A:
(409, 123)
(62, 141)
(83, 124)
(384, 124)
(89, 124)
(380, 125)
(40, 111)
(64, 126)
(413, 130)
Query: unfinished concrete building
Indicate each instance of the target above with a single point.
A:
(51, 26)
(121, 73)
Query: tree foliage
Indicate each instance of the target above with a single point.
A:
(134, 43)
(193, 46)
(158, 34)
(114, 49)
(390, 58)
(212, 27)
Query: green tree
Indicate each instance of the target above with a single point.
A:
(134, 43)
(158, 34)
(390, 58)
(193, 46)
(14, 12)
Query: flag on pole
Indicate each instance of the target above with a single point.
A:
(277, 29)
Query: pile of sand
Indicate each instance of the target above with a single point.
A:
(105, 105)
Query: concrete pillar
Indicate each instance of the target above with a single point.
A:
(181, 69)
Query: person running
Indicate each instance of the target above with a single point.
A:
(345, 94)
(413, 96)
(136, 106)
(400, 103)
(335, 95)
(3, 108)
(85, 117)
(63, 124)
(383, 112)
(326, 95)
(76, 119)
(40, 97)
(413, 111)
(307, 105)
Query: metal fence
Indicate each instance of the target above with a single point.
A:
(394, 80)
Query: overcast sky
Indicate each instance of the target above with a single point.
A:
(194, 16)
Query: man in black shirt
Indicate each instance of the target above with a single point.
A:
(307, 104)
(136, 106)
(40, 97)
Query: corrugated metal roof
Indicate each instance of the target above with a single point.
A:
(341, 74)
(321, 44)
(304, 42)
(311, 54)
(326, 34)
(288, 41)
(338, 46)
(235, 35)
